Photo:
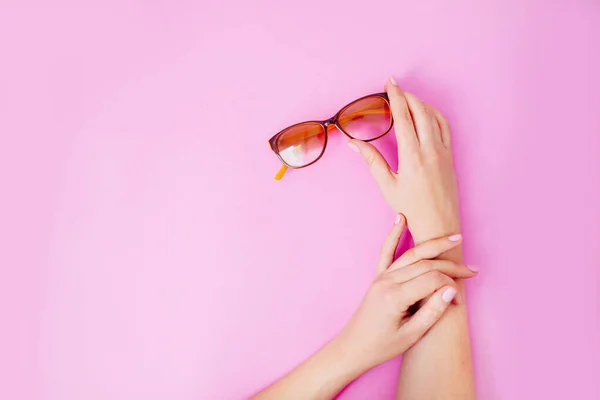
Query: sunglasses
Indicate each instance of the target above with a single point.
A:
(303, 144)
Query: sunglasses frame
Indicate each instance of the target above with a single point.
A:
(325, 124)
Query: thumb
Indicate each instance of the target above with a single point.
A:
(430, 313)
(379, 167)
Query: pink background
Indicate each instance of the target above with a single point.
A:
(147, 252)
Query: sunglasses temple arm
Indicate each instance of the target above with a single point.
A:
(281, 172)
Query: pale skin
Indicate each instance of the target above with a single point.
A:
(435, 340)
(381, 327)
(424, 189)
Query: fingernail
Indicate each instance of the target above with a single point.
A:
(455, 238)
(473, 268)
(398, 219)
(353, 147)
(393, 81)
(448, 295)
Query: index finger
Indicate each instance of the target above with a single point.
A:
(446, 267)
(426, 250)
(422, 287)
(406, 136)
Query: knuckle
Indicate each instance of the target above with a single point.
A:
(446, 267)
(443, 266)
(437, 278)
(422, 109)
(410, 253)
(406, 114)
(379, 283)
(430, 109)
(425, 266)
(370, 159)
(389, 297)
(384, 285)
(401, 109)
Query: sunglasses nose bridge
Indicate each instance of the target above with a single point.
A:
(330, 124)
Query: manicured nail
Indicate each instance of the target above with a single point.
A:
(455, 238)
(398, 219)
(448, 295)
(353, 147)
(473, 268)
(393, 81)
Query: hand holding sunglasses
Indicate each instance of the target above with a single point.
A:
(424, 187)
(301, 145)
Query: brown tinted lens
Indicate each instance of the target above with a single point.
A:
(301, 144)
(366, 119)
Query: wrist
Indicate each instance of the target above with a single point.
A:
(437, 228)
(322, 376)
(325, 373)
(347, 365)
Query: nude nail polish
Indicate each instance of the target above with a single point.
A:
(448, 295)
(455, 238)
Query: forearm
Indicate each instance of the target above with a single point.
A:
(322, 376)
(439, 366)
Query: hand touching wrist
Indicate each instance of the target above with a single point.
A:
(382, 327)
(447, 224)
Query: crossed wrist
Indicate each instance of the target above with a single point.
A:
(441, 227)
